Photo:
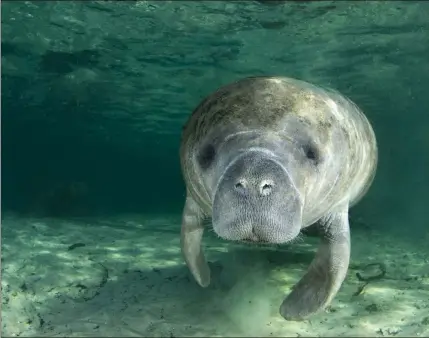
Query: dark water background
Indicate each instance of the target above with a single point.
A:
(94, 94)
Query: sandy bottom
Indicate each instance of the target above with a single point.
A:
(126, 277)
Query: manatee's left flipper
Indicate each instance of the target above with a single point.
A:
(191, 240)
(327, 271)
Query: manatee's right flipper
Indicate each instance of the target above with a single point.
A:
(327, 271)
(191, 236)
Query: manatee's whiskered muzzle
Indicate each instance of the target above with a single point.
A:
(256, 200)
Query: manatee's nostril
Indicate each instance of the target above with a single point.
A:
(266, 188)
(240, 186)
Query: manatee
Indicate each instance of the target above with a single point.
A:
(267, 157)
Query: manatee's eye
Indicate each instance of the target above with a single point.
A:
(312, 153)
(206, 156)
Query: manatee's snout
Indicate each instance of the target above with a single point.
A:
(256, 187)
(256, 200)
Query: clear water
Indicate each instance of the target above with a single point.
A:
(94, 95)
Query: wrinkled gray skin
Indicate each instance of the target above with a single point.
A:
(266, 157)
